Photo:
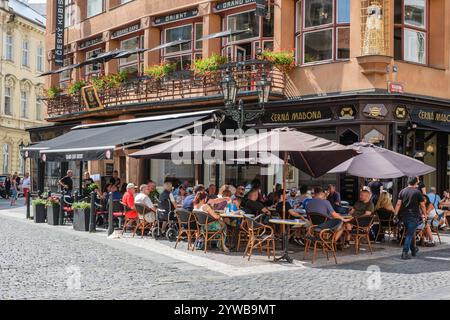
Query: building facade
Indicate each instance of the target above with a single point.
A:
(22, 47)
(366, 70)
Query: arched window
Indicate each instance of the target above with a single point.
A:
(6, 158)
(322, 30)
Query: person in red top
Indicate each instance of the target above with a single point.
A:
(128, 200)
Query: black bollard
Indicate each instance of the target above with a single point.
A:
(28, 201)
(75, 196)
(110, 214)
(92, 216)
(61, 209)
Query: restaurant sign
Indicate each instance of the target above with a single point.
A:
(125, 31)
(76, 155)
(90, 42)
(175, 17)
(232, 4)
(298, 116)
(59, 33)
(438, 119)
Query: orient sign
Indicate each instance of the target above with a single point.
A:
(59, 33)
(175, 17)
(292, 116)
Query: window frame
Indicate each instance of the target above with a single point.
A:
(6, 150)
(9, 47)
(97, 13)
(39, 114)
(24, 102)
(138, 62)
(10, 97)
(40, 58)
(402, 26)
(91, 73)
(300, 32)
(25, 61)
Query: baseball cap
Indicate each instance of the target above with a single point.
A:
(131, 186)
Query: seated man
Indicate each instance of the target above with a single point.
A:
(292, 214)
(128, 201)
(335, 199)
(253, 206)
(144, 199)
(319, 204)
(188, 201)
(363, 207)
(115, 193)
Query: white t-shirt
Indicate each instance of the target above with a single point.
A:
(142, 198)
(26, 183)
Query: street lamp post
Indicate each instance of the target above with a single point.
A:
(237, 112)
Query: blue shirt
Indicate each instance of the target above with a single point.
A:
(320, 206)
(188, 202)
(435, 199)
(117, 195)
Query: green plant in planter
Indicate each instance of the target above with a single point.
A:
(75, 88)
(282, 60)
(159, 71)
(91, 187)
(81, 205)
(52, 201)
(205, 66)
(36, 202)
(53, 92)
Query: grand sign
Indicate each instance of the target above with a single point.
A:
(59, 33)
(175, 17)
(232, 4)
(124, 31)
(296, 116)
(435, 118)
(90, 42)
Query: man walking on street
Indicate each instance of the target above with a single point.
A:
(409, 206)
(26, 185)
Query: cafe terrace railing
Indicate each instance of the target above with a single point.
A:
(177, 86)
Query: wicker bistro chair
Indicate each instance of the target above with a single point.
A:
(386, 223)
(361, 230)
(127, 223)
(187, 227)
(141, 224)
(203, 219)
(323, 235)
(316, 218)
(258, 235)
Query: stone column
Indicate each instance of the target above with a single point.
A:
(112, 66)
(152, 38)
(211, 24)
(284, 25)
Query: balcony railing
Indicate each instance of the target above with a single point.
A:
(178, 87)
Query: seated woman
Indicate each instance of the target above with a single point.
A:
(384, 207)
(200, 204)
(222, 201)
(432, 217)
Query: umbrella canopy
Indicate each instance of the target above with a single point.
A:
(313, 155)
(128, 53)
(186, 144)
(223, 34)
(170, 44)
(47, 73)
(102, 57)
(264, 158)
(376, 162)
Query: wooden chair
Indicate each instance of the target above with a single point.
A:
(258, 235)
(361, 230)
(185, 219)
(203, 219)
(435, 230)
(141, 224)
(386, 223)
(323, 235)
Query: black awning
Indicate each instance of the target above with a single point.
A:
(436, 119)
(98, 141)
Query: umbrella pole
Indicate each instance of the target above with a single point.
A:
(284, 188)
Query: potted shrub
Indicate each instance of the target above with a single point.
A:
(81, 215)
(39, 211)
(53, 92)
(282, 60)
(75, 88)
(159, 71)
(205, 66)
(52, 205)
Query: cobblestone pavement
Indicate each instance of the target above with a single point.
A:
(47, 262)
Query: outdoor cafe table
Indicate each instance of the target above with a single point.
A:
(237, 215)
(288, 223)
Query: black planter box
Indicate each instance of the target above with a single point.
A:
(81, 219)
(39, 213)
(53, 215)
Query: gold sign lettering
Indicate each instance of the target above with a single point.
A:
(296, 116)
(434, 116)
